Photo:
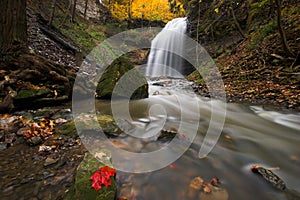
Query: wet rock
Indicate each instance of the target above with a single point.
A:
(26, 180)
(213, 193)
(30, 94)
(54, 142)
(67, 129)
(167, 135)
(3, 147)
(44, 148)
(195, 187)
(48, 174)
(134, 83)
(1, 136)
(82, 188)
(36, 140)
(50, 161)
(19, 140)
(62, 161)
(21, 130)
(269, 176)
(60, 121)
(62, 116)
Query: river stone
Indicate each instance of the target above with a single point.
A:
(50, 161)
(112, 75)
(82, 187)
(3, 146)
(34, 140)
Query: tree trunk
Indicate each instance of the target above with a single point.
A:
(52, 12)
(13, 26)
(85, 8)
(73, 11)
(281, 30)
(129, 13)
(237, 24)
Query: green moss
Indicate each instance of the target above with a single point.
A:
(67, 128)
(113, 73)
(82, 188)
(32, 93)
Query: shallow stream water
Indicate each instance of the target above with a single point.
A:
(251, 135)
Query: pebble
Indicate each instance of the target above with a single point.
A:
(35, 140)
(44, 148)
(3, 147)
(50, 161)
(48, 174)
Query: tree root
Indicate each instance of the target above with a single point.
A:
(34, 72)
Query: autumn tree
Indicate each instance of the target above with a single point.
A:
(150, 10)
(13, 26)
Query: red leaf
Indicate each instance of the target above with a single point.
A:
(96, 186)
(107, 172)
(102, 176)
(97, 180)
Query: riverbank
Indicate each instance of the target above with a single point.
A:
(249, 79)
(257, 56)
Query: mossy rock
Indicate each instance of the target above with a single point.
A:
(67, 128)
(133, 80)
(82, 187)
(32, 94)
(106, 122)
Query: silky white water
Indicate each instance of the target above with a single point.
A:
(161, 62)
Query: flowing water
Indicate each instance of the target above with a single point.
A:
(251, 136)
(161, 62)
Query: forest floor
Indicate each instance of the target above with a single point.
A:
(256, 70)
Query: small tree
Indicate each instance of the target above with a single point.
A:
(281, 30)
(73, 10)
(52, 12)
(85, 8)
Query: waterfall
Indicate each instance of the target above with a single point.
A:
(162, 63)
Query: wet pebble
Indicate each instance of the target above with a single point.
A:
(26, 180)
(144, 120)
(48, 174)
(21, 130)
(3, 147)
(34, 141)
(8, 190)
(1, 136)
(44, 148)
(19, 140)
(62, 161)
(50, 161)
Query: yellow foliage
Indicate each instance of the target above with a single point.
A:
(149, 10)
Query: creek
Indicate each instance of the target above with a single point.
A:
(251, 135)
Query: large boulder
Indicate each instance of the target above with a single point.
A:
(133, 84)
(82, 187)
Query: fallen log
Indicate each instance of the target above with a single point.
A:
(59, 40)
